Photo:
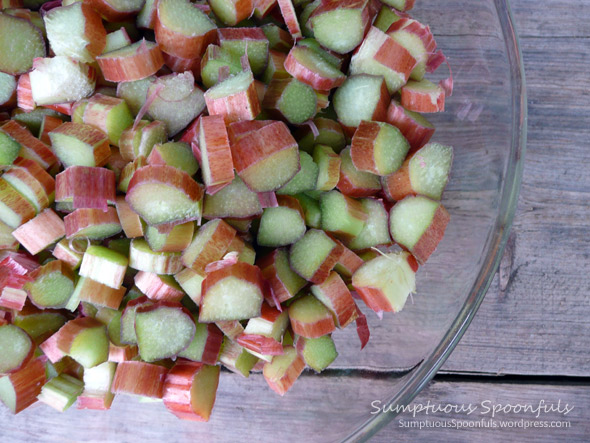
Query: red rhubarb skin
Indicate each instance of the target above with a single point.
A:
(49, 124)
(393, 55)
(216, 145)
(31, 183)
(362, 148)
(237, 130)
(270, 273)
(315, 329)
(307, 75)
(398, 185)
(379, 113)
(290, 17)
(139, 378)
(180, 45)
(27, 383)
(348, 186)
(349, 260)
(33, 148)
(85, 218)
(212, 345)
(155, 289)
(260, 344)
(323, 272)
(102, 295)
(24, 93)
(432, 236)
(284, 383)
(130, 221)
(120, 354)
(341, 303)
(243, 105)
(40, 232)
(419, 101)
(214, 249)
(146, 61)
(93, 137)
(88, 187)
(111, 14)
(94, 30)
(68, 332)
(416, 134)
(180, 65)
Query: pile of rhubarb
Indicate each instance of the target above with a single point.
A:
(179, 195)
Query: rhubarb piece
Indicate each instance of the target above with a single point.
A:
(190, 281)
(67, 254)
(418, 225)
(238, 130)
(163, 330)
(245, 252)
(24, 95)
(310, 318)
(232, 293)
(141, 140)
(263, 7)
(158, 287)
(385, 282)
(209, 244)
(78, 144)
(14, 208)
(361, 97)
(179, 196)
(7, 241)
(177, 240)
(304, 18)
(32, 148)
(177, 154)
(16, 347)
(190, 390)
(235, 41)
(314, 256)
(279, 39)
(176, 101)
(109, 114)
(290, 99)
(94, 224)
(426, 173)
(97, 387)
(275, 68)
(148, 15)
(378, 147)
(342, 215)
(231, 12)
(139, 378)
(127, 331)
(10, 148)
(237, 359)
(355, 183)
(216, 155)
(180, 65)
(135, 92)
(48, 124)
(111, 318)
(234, 98)
(38, 324)
(61, 79)
(335, 296)
(311, 210)
(23, 42)
(116, 40)
(328, 167)
(414, 127)
(7, 91)
(423, 96)
(232, 329)
(206, 344)
(340, 26)
(120, 354)
(267, 158)
(130, 221)
(85, 187)
(386, 17)
(21, 388)
(283, 370)
(104, 266)
(130, 63)
(417, 39)
(116, 10)
(307, 66)
(318, 353)
(40, 232)
(75, 31)
(380, 54)
(143, 258)
(348, 262)
(375, 232)
(61, 392)
(280, 226)
(182, 29)
(88, 290)
(215, 60)
(290, 17)
(284, 283)
(51, 285)
(28, 186)
(85, 340)
(263, 335)
(329, 132)
(305, 180)
(36, 172)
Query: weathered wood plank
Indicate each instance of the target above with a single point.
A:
(486, 396)
(552, 18)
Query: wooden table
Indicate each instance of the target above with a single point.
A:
(530, 340)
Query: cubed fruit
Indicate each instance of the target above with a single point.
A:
(61, 392)
(216, 155)
(278, 38)
(342, 215)
(418, 224)
(79, 144)
(127, 331)
(190, 390)
(318, 353)
(375, 232)
(328, 167)
(268, 158)
(9, 148)
(280, 226)
(139, 141)
(275, 67)
(131, 63)
(40, 232)
(97, 387)
(158, 287)
(85, 340)
(51, 285)
(237, 359)
(308, 66)
(425, 173)
(423, 96)
(232, 293)
(28, 186)
(414, 127)
(335, 296)
(283, 281)
(210, 243)
(283, 370)
(305, 180)
(263, 335)
(177, 154)
(386, 17)
(234, 98)
(139, 378)
(310, 318)
(85, 187)
(116, 10)
(163, 330)
(329, 132)
(21, 388)
(348, 262)
(205, 346)
(314, 256)
(104, 266)
(378, 147)
(109, 114)
(214, 60)
(17, 348)
(174, 241)
(143, 258)
(88, 290)
(355, 183)
(290, 99)
(237, 40)
(23, 42)
(31, 147)
(135, 92)
(234, 200)
(231, 12)
(94, 224)
(385, 282)
(311, 210)
(417, 39)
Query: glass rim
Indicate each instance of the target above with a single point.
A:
(495, 245)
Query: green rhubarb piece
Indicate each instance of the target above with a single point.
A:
(280, 226)
(375, 232)
(194, 351)
(9, 148)
(32, 120)
(128, 335)
(311, 209)
(410, 218)
(307, 255)
(356, 99)
(304, 17)
(429, 170)
(328, 167)
(313, 44)
(50, 290)
(22, 42)
(340, 30)
(297, 102)
(15, 347)
(163, 332)
(318, 353)
(234, 200)
(135, 92)
(61, 392)
(304, 180)
(90, 347)
(385, 18)
(214, 59)
(337, 217)
(40, 324)
(177, 154)
(257, 52)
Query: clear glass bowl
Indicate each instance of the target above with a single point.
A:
(486, 123)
